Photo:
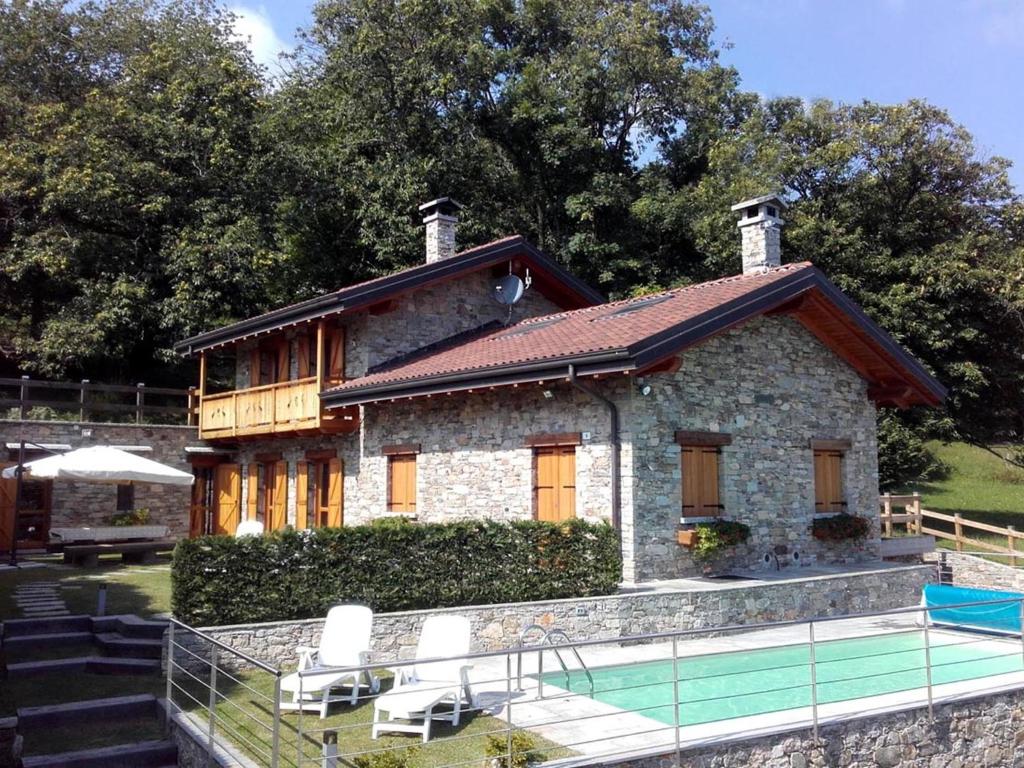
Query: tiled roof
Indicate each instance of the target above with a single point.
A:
(617, 325)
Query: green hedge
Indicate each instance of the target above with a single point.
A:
(298, 575)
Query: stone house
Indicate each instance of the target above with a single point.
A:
(435, 394)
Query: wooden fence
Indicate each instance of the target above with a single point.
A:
(956, 530)
(85, 400)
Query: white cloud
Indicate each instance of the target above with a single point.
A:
(254, 27)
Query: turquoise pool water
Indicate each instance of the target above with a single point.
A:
(740, 683)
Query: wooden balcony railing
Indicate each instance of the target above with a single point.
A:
(288, 406)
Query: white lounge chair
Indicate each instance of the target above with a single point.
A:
(345, 642)
(422, 687)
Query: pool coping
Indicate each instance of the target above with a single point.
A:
(602, 733)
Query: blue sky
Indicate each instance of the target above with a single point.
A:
(964, 55)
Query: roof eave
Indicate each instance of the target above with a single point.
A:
(350, 300)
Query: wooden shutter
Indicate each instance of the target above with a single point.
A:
(227, 489)
(8, 490)
(828, 482)
(302, 357)
(700, 481)
(252, 490)
(278, 507)
(335, 512)
(198, 510)
(555, 482)
(283, 360)
(402, 482)
(302, 495)
(335, 355)
(254, 367)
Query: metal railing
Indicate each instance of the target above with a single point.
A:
(690, 686)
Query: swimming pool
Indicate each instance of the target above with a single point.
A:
(734, 684)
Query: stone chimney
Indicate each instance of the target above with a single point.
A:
(761, 227)
(441, 217)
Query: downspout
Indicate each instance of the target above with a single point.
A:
(613, 412)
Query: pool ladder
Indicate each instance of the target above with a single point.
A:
(547, 638)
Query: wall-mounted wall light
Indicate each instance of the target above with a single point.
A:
(548, 394)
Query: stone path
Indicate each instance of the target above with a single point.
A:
(40, 600)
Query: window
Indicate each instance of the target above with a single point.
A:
(554, 482)
(318, 493)
(271, 362)
(125, 497)
(699, 464)
(402, 482)
(267, 494)
(828, 481)
(701, 496)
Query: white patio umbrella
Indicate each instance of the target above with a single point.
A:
(102, 464)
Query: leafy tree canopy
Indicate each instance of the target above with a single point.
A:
(153, 184)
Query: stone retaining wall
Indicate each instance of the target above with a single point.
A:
(985, 731)
(974, 571)
(614, 616)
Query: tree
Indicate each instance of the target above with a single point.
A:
(896, 206)
(534, 114)
(130, 213)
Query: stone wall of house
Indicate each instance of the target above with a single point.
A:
(987, 730)
(91, 504)
(474, 459)
(773, 387)
(496, 627)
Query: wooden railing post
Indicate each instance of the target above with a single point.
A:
(1010, 545)
(83, 399)
(917, 512)
(958, 531)
(887, 514)
(140, 401)
(191, 417)
(23, 398)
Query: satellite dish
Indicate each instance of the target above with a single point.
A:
(509, 290)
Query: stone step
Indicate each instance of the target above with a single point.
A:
(116, 644)
(130, 626)
(101, 665)
(56, 640)
(46, 626)
(116, 707)
(144, 754)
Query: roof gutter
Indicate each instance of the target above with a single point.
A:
(613, 414)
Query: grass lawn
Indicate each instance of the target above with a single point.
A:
(244, 712)
(980, 485)
(144, 590)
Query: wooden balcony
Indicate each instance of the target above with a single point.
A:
(288, 407)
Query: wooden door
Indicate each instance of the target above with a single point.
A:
(277, 504)
(335, 502)
(227, 494)
(555, 482)
(199, 511)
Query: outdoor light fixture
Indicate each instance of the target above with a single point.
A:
(548, 394)
(645, 390)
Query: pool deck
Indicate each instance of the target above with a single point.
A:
(748, 578)
(595, 730)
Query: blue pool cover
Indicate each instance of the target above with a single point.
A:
(1002, 617)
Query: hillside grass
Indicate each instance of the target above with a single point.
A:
(980, 484)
